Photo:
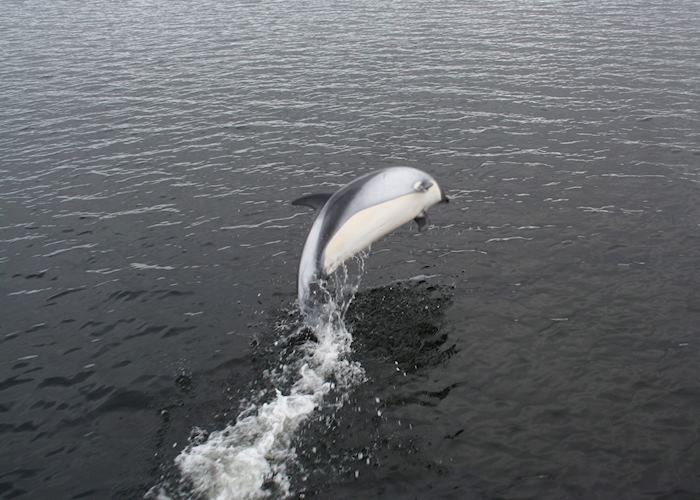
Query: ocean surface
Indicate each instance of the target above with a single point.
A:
(539, 340)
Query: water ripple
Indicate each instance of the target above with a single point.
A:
(149, 153)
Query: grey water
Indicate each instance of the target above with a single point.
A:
(540, 340)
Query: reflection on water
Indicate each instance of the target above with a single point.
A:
(149, 153)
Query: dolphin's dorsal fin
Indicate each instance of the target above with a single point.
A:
(315, 201)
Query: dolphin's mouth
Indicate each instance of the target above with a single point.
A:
(444, 198)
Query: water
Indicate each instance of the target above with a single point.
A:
(149, 251)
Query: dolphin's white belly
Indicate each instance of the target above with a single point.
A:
(368, 225)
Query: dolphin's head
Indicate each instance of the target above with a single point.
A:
(426, 184)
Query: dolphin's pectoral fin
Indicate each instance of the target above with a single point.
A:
(421, 220)
(315, 201)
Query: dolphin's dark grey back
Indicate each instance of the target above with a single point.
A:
(341, 206)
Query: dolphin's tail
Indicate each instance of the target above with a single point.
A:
(304, 290)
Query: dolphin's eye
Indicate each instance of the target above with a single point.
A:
(422, 186)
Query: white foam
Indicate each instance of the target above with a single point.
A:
(248, 459)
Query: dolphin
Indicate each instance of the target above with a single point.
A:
(357, 215)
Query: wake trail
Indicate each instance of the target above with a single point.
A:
(249, 458)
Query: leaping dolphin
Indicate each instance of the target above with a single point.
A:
(358, 214)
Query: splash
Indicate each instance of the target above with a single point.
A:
(249, 459)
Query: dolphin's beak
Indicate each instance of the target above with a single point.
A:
(444, 199)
